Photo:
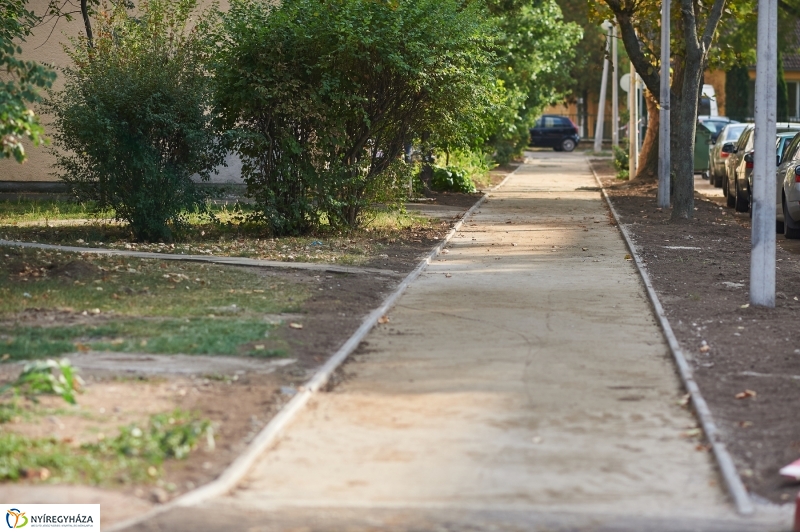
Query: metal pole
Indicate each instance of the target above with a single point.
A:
(601, 106)
(614, 88)
(762, 255)
(631, 126)
(663, 113)
(636, 120)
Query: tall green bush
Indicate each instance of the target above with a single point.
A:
(321, 97)
(132, 123)
(737, 92)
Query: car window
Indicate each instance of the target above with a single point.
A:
(713, 125)
(564, 122)
(550, 121)
(540, 123)
(794, 149)
(750, 140)
(732, 133)
(743, 140)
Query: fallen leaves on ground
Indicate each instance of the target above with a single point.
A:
(745, 394)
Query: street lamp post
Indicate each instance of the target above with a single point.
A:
(601, 106)
(663, 113)
(614, 89)
(762, 254)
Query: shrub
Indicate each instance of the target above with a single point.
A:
(132, 122)
(322, 97)
(621, 161)
(451, 180)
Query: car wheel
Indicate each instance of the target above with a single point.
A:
(739, 201)
(567, 144)
(791, 229)
(730, 199)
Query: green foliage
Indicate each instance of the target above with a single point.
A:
(782, 103)
(132, 455)
(475, 163)
(321, 98)
(451, 180)
(535, 49)
(165, 436)
(132, 121)
(21, 82)
(48, 377)
(737, 93)
(621, 161)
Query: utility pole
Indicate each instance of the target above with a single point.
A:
(614, 88)
(663, 113)
(633, 124)
(601, 106)
(762, 253)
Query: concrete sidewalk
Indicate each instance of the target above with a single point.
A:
(521, 384)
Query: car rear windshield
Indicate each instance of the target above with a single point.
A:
(733, 132)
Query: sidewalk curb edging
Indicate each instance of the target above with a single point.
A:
(736, 489)
(211, 259)
(267, 436)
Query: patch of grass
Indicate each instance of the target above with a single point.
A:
(25, 210)
(233, 235)
(134, 455)
(195, 336)
(137, 287)
(136, 305)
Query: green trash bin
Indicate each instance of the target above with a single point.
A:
(702, 141)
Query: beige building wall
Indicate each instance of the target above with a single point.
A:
(46, 45)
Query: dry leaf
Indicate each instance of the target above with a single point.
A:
(383, 319)
(685, 400)
(745, 424)
(745, 394)
(745, 306)
(704, 348)
(628, 257)
(294, 325)
(448, 275)
(692, 433)
(584, 249)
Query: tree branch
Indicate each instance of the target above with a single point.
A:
(644, 68)
(713, 21)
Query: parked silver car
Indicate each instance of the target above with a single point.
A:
(787, 193)
(785, 146)
(716, 157)
(740, 176)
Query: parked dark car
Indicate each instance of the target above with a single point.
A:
(554, 131)
(716, 157)
(735, 153)
(715, 124)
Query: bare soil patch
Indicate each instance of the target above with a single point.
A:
(700, 270)
(238, 404)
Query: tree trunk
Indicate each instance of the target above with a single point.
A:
(683, 125)
(648, 156)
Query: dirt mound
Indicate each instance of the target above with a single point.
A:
(76, 269)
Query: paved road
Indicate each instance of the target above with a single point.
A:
(521, 384)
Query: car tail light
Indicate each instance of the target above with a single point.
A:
(748, 160)
(574, 126)
(748, 165)
(723, 154)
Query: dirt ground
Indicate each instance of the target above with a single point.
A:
(700, 270)
(238, 403)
